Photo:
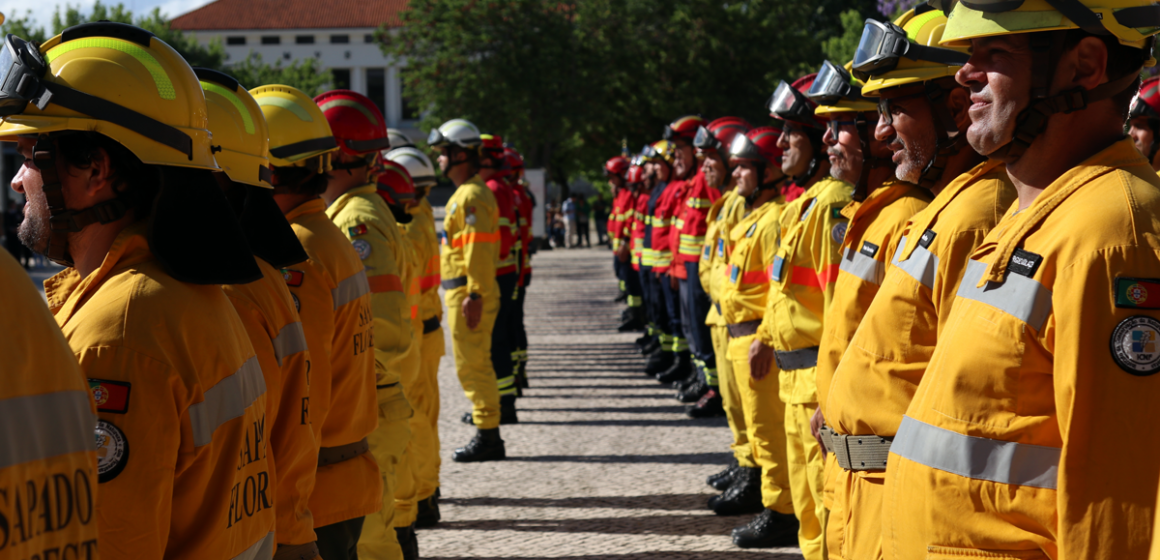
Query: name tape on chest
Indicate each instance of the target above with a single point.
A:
(720, 247)
(869, 249)
(1024, 263)
(1137, 293)
(110, 396)
(775, 269)
(112, 450)
(1135, 345)
(926, 239)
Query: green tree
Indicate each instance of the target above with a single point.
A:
(303, 74)
(839, 49)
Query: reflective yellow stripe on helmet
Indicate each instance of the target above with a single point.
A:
(160, 77)
(288, 104)
(233, 98)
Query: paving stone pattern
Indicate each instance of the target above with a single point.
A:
(603, 464)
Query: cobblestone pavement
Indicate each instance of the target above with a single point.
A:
(603, 464)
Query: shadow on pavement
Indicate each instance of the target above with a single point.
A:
(663, 502)
(656, 555)
(685, 459)
(690, 422)
(677, 525)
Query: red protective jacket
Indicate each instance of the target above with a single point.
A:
(692, 219)
(508, 227)
(526, 207)
(636, 227)
(662, 224)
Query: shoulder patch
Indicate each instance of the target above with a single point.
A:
(1137, 293)
(112, 450)
(110, 396)
(1134, 345)
(927, 238)
(470, 219)
(1024, 263)
(360, 229)
(836, 213)
(838, 233)
(362, 247)
(293, 277)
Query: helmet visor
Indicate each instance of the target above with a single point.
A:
(789, 103)
(21, 68)
(832, 85)
(704, 140)
(436, 139)
(879, 48)
(744, 148)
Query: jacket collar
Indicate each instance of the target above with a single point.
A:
(944, 198)
(883, 196)
(66, 292)
(308, 207)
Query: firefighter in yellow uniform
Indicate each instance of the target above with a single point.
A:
(764, 488)
(470, 254)
(266, 307)
(332, 294)
(1024, 438)
(801, 287)
(425, 396)
(182, 453)
(723, 215)
(354, 205)
(53, 456)
(868, 392)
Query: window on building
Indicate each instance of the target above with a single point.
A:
(410, 110)
(369, 38)
(304, 39)
(236, 40)
(339, 39)
(271, 40)
(341, 77)
(377, 87)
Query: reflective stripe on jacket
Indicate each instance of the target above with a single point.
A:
(181, 442)
(470, 244)
(334, 303)
(693, 215)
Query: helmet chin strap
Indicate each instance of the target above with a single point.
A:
(869, 162)
(63, 221)
(752, 198)
(950, 140)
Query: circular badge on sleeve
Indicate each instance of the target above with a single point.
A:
(470, 219)
(838, 234)
(363, 248)
(1136, 345)
(297, 304)
(112, 450)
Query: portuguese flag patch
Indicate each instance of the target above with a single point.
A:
(110, 396)
(1137, 293)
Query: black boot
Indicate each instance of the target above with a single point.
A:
(428, 513)
(743, 495)
(652, 347)
(631, 324)
(621, 298)
(709, 406)
(679, 369)
(692, 392)
(408, 542)
(507, 410)
(485, 446)
(768, 530)
(643, 340)
(719, 481)
(659, 362)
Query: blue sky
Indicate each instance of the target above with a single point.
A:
(42, 10)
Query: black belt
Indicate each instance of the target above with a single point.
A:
(748, 328)
(332, 455)
(431, 325)
(453, 283)
(797, 359)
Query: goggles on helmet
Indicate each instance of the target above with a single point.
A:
(436, 139)
(883, 44)
(704, 140)
(22, 70)
(832, 85)
(744, 148)
(1074, 10)
(789, 103)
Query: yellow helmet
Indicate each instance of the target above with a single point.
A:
(241, 142)
(114, 79)
(661, 149)
(836, 91)
(300, 136)
(924, 27)
(1131, 21)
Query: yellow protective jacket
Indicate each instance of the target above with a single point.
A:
(49, 466)
(181, 445)
(746, 283)
(421, 230)
(723, 215)
(802, 278)
(870, 239)
(267, 311)
(364, 217)
(471, 241)
(1030, 434)
(334, 302)
(878, 374)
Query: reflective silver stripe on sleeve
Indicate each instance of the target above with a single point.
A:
(261, 550)
(38, 427)
(979, 458)
(351, 289)
(1018, 296)
(866, 268)
(226, 400)
(922, 264)
(290, 340)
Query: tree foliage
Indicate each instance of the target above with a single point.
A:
(251, 71)
(566, 81)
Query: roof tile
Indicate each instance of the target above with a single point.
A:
(290, 14)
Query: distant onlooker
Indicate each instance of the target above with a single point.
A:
(583, 210)
(568, 208)
(600, 214)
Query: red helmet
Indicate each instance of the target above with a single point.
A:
(684, 127)
(616, 166)
(719, 134)
(513, 159)
(394, 183)
(492, 148)
(789, 102)
(759, 144)
(635, 174)
(1147, 101)
(356, 122)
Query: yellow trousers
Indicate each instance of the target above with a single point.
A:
(417, 476)
(426, 402)
(472, 350)
(388, 445)
(731, 398)
(764, 416)
(806, 478)
(854, 528)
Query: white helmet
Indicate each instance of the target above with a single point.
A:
(416, 163)
(398, 139)
(459, 132)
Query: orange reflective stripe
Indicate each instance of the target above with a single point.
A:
(429, 281)
(385, 283)
(755, 277)
(414, 312)
(467, 238)
(806, 276)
